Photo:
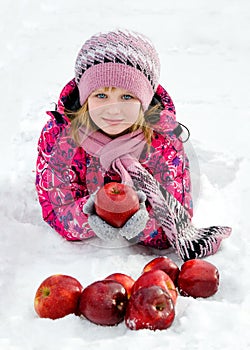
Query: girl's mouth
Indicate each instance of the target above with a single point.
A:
(112, 121)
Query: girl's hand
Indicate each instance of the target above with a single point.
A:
(131, 229)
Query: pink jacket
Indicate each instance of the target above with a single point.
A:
(62, 190)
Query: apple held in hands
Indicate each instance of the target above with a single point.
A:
(158, 278)
(198, 278)
(125, 280)
(165, 264)
(150, 308)
(57, 296)
(116, 203)
(104, 302)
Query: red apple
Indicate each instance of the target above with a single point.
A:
(198, 278)
(116, 203)
(151, 308)
(57, 296)
(125, 280)
(104, 302)
(157, 278)
(165, 264)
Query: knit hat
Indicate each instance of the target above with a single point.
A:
(122, 59)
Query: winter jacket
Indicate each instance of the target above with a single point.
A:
(62, 166)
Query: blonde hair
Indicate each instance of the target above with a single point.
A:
(81, 118)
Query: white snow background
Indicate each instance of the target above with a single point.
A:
(204, 48)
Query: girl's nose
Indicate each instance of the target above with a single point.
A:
(114, 108)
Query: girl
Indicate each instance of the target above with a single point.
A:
(115, 123)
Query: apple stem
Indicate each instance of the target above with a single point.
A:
(46, 292)
(115, 190)
(160, 307)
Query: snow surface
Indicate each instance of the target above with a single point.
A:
(204, 48)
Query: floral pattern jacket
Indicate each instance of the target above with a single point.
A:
(61, 171)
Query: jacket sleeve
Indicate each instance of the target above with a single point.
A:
(60, 182)
(179, 184)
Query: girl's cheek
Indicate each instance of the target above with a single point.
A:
(96, 109)
(132, 108)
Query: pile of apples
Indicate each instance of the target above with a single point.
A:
(148, 302)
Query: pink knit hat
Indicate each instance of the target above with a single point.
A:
(122, 59)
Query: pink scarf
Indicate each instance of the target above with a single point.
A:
(122, 155)
(116, 154)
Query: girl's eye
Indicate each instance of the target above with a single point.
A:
(127, 97)
(101, 95)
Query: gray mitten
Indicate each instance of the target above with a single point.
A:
(138, 221)
(99, 226)
(131, 228)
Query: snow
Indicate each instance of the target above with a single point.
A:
(204, 49)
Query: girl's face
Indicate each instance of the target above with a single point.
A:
(113, 110)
